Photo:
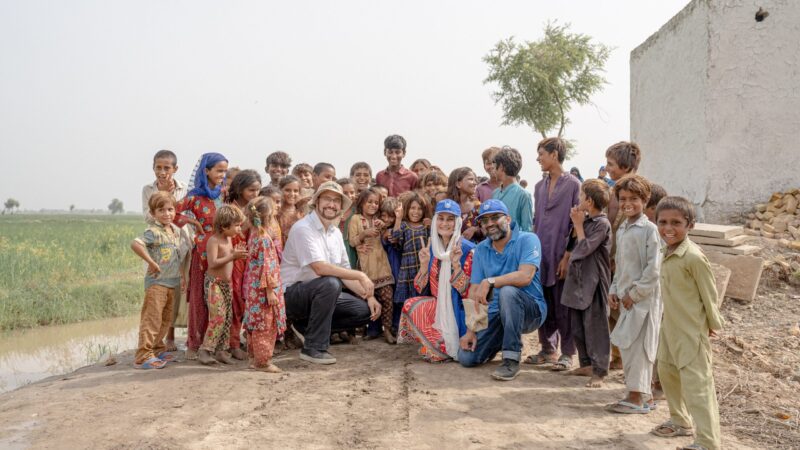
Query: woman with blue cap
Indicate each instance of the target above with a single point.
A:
(437, 321)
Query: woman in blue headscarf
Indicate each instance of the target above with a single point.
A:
(198, 208)
(437, 321)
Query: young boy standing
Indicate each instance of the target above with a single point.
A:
(588, 278)
(162, 247)
(322, 172)
(221, 254)
(361, 174)
(165, 164)
(556, 194)
(277, 166)
(507, 164)
(485, 189)
(691, 315)
(635, 292)
(395, 177)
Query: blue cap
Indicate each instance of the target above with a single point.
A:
(448, 206)
(602, 167)
(492, 206)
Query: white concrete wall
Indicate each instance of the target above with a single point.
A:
(715, 104)
(668, 98)
(753, 103)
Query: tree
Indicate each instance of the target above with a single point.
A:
(71, 208)
(116, 206)
(10, 204)
(539, 82)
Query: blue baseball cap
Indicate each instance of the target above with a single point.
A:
(492, 206)
(448, 206)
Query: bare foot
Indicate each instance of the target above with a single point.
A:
(224, 357)
(191, 355)
(387, 334)
(239, 354)
(170, 344)
(269, 368)
(616, 364)
(595, 382)
(204, 356)
(580, 372)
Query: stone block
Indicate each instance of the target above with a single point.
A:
(795, 245)
(794, 231)
(738, 250)
(768, 228)
(780, 225)
(750, 232)
(768, 215)
(745, 274)
(760, 215)
(722, 276)
(716, 231)
(732, 242)
(767, 234)
(761, 207)
(756, 224)
(791, 204)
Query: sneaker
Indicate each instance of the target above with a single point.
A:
(298, 334)
(507, 371)
(316, 356)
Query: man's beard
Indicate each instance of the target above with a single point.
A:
(325, 212)
(499, 233)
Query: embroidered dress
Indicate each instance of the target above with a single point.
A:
(237, 304)
(470, 219)
(410, 239)
(202, 209)
(375, 264)
(286, 221)
(264, 322)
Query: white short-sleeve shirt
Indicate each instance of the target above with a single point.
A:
(310, 242)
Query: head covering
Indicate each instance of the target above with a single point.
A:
(445, 320)
(492, 206)
(334, 187)
(602, 167)
(449, 207)
(198, 185)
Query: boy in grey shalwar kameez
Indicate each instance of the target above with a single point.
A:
(586, 286)
(635, 291)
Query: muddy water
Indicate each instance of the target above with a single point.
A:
(31, 355)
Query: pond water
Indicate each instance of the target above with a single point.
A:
(33, 354)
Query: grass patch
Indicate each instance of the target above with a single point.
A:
(57, 269)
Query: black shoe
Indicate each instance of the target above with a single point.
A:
(316, 356)
(507, 371)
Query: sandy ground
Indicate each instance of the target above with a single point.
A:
(376, 396)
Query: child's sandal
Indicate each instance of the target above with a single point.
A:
(669, 429)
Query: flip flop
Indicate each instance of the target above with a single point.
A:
(541, 359)
(167, 357)
(674, 430)
(691, 447)
(624, 407)
(152, 363)
(563, 363)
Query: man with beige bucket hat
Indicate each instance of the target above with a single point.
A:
(321, 291)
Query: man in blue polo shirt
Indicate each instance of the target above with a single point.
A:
(505, 276)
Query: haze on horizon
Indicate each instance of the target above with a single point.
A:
(89, 90)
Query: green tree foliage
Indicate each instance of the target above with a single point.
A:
(539, 82)
(10, 205)
(116, 206)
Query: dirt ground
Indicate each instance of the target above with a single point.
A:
(381, 396)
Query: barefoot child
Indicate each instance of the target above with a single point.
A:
(388, 206)
(221, 254)
(588, 278)
(290, 212)
(198, 209)
(635, 292)
(274, 228)
(361, 174)
(409, 235)
(245, 186)
(364, 234)
(691, 315)
(304, 173)
(265, 317)
(162, 247)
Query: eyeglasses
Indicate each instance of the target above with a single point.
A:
(485, 220)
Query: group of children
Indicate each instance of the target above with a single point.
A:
(219, 242)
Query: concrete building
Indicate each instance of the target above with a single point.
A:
(715, 104)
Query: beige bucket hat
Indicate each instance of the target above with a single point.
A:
(331, 186)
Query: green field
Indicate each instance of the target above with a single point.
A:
(68, 268)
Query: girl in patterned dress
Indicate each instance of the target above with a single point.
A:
(409, 235)
(245, 187)
(291, 208)
(364, 233)
(437, 322)
(198, 208)
(265, 312)
(461, 188)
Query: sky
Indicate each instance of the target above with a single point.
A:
(90, 90)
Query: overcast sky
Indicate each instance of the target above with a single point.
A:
(89, 90)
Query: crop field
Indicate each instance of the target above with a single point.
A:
(68, 268)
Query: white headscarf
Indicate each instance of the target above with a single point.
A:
(445, 320)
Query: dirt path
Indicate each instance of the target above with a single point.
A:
(376, 396)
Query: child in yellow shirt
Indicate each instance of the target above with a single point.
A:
(691, 315)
